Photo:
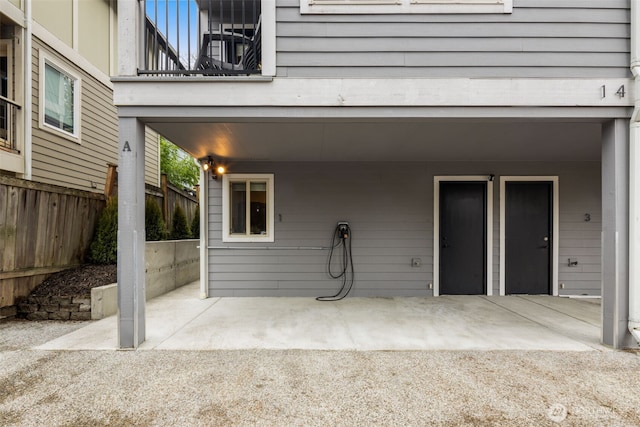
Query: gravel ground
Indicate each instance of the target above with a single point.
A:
(180, 388)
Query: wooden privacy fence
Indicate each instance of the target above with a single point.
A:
(167, 196)
(43, 229)
(176, 197)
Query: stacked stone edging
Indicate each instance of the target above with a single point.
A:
(55, 308)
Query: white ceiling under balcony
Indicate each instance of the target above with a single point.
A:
(386, 140)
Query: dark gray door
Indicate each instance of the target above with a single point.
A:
(463, 207)
(528, 238)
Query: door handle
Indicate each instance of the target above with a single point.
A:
(546, 240)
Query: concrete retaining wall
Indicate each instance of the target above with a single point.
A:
(169, 265)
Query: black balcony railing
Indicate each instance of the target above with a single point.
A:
(8, 120)
(161, 55)
(202, 37)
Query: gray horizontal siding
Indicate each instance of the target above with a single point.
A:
(151, 157)
(59, 161)
(391, 216)
(564, 39)
(440, 44)
(440, 59)
(390, 231)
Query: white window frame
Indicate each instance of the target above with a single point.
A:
(226, 205)
(74, 136)
(405, 6)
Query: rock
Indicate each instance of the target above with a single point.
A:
(80, 315)
(38, 315)
(50, 308)
(59, 315)
(28, 308)
(39, 300)
(69, 307)
(60, 300)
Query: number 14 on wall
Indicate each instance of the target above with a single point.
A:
(619, 93)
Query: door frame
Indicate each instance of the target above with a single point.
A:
(555, 227)
(436, 226)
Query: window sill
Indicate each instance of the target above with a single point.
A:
(231, 239)
(62, 134)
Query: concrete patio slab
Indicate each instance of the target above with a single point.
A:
(587, 311)
(180, 321)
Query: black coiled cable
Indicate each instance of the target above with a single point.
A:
(342, 234)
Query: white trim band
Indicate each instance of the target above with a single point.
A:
(388, 92)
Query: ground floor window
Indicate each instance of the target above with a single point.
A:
(247, 208)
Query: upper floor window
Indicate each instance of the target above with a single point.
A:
(405, 6)
(60, 103)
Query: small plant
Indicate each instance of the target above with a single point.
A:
(104, 248)
(180, 228)
(195, 225)
(153, 223)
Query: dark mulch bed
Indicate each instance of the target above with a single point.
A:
(77, 281)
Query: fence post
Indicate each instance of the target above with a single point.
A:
(111, 179)
(165, 199)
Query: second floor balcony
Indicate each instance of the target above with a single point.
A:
(202, 37)
(8, 122)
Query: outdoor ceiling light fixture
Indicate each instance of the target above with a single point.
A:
(207, 163)
(217, 169)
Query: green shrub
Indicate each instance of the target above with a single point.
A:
(104, 248)
(180, 228)
(153, 223)
(195, 225)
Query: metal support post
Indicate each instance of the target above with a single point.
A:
(131, 234)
